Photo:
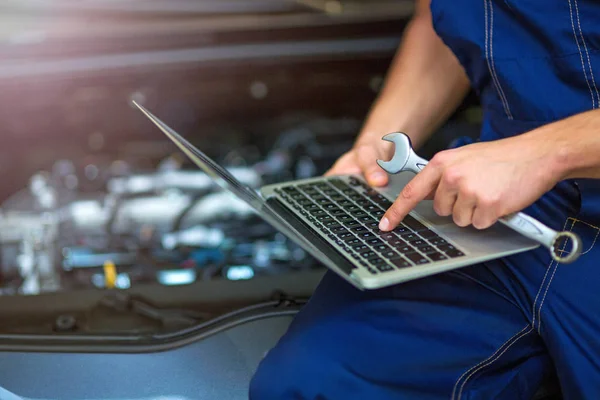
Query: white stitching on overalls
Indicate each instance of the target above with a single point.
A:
(597, 229)
(522, 332)
(491, 359)
(586, 51)
(581, 55)
(593, 243)
(489, 54)
(533, 310)
(539, 328)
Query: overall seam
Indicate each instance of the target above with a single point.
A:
(593, 243)
(586, 50)
(533, 310)
(586, 223)
(581, 55)
(575, 220)
(488, 361)
(491, 359)
(489, 54)
(539, 328)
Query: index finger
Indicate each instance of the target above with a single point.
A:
(418, 189)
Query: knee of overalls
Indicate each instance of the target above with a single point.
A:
(292, 370)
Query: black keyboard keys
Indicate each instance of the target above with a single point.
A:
(451, 251)
(400, 263)
(426, 249)
(418, 243)
(438, 242)
(390, 254)
(437, 256)
(413, 224)
(410, 237)
(384, 267)
(416, 258)
(369, 255)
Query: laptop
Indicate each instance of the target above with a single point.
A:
(336, 219)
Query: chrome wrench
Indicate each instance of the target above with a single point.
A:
(405, 159)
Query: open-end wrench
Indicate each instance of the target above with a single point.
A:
(405, 159)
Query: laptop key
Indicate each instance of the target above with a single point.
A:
(360, 248)
(378, 213)
(438, 242)
(454, 253)
(401, 229)
(416, 258)
(373, 225)
(405, 249)
(311, 207)
(365, 218)
(397, 242)
(385, 267)
(418, 243)
(339, 213)
(413, 224)
(428, 234)
(375, 242)
(390, 254)
(372, 207)
(366, 235)
(324, 218)
(382, 248)
(369, 254)
(377, 261)
(427, 249)
(345, 235)
(353, 224)
(401, 263)
(338, 230)
(437, 256)
(410, 237)
(355, 196)
(387, 236)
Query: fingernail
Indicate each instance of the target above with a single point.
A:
(377, 177)
(384, 224)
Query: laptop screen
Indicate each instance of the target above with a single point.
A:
(228, 182)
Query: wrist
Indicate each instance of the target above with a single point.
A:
(553, 152)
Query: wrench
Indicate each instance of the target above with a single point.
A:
(405, 159)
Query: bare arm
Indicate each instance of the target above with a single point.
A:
(479, 183)
(424, 85)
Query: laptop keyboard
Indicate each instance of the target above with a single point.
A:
(349, 214)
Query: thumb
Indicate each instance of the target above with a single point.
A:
(367, 160)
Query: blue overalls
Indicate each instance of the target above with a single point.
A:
(491, 331)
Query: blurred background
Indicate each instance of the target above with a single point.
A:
(94, 197)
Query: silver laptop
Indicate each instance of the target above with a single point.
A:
(336, 220)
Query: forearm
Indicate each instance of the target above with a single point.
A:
(424, 85)
(572, 145)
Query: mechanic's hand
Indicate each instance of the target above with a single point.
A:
(362, 159)
(479, 183)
